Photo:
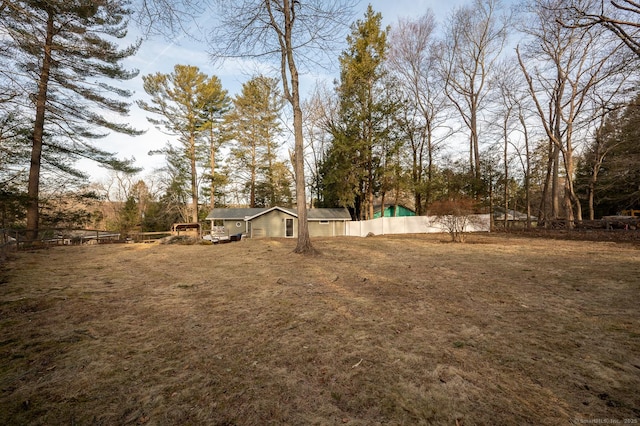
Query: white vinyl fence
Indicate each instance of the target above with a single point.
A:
(412, 225)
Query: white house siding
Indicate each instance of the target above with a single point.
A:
(272, 224)
(231, 228)
(331, 228)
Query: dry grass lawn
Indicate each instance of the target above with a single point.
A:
(383, 330)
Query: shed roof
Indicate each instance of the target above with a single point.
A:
(498, 214)
(377, 206)
(288, 211)
(251, 213)
(234, 213)
(328, 214)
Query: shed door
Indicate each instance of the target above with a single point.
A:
(288, 232)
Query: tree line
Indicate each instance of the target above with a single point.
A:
(476, 111)
(531, 103)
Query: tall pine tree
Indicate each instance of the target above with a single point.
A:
(63, 54)
(353, 169)
(255, 121)
(183, 101)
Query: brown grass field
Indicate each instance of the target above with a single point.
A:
(501, 330)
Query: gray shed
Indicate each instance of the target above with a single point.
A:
(276, 222)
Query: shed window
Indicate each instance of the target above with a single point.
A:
(324, 222)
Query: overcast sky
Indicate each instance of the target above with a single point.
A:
(159, 55)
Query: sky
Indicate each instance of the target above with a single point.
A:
(159, 55)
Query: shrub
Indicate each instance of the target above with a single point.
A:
(454, 216)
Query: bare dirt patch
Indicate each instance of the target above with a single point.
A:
(382, 330)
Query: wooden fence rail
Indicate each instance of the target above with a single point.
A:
(17, 238)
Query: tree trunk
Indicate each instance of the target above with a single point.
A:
(270, 196)
(370, 193)
(555, 177)
(566, 199)
(252, 182)
(194, 181)
(569, 170)
(592, 189)
(476, 146)
(430, 167)
(543, 206)
(33, 191)
(491, 220)
(593, 179)
(213, 165)
(506, 174)
(304, 241)
(574, 206)
(527, 177)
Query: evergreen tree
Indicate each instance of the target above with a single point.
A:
(63, 54)
(176, 186)
(255, 123)
(277, 190)
(14, 140)
(185, 101)
(218, 134)
(354, 166)
(129, 216)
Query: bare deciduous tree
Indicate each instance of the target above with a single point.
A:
(564, 67)
(168, 17)
(475, 36)
(507, 108)
(621, 17)
(608, 110)
(455, 216)
(318, 110)
(294, 33)
(413, 60)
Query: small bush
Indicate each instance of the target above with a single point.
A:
(454, 216)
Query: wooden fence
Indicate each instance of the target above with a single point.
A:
(18, 238)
